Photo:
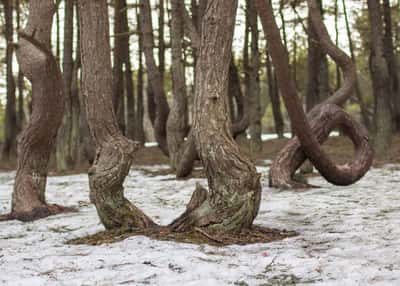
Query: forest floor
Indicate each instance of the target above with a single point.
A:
(346, 235)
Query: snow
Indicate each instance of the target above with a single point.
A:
(347, 236)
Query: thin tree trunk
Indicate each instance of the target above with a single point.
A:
(36, 142)
(114, 152)
(20, 81)
(364, 111)
(273, 93)
(392, 64)
(254, 82)
(139, 134)
(154, 76)
(9, 148)
(235, 191)
(305, 139)
(380, 81)
(177, 124)
(65, 160)
(161, 44)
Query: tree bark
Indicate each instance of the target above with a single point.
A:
(64, 153)
(139, 134)
(154, 76)
(177, 124)
(9, 148)
(21, 120)
(254, 82)
(339, 175)
(393, 65)
(380, 81)
(234, 197)
(36, 142)
(114, 152)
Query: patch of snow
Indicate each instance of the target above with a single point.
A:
(347, 236)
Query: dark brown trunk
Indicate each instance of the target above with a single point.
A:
(161, 44)
(10, 137)
(339, 175)
(36, 142)
(114, 152)
(254, 82)
(65, 156)
(139, 134)
(154, 77)
(21, 120)
(364, 111)
(177, 124)
(273, 93)
(392, 61)
(234, 197)
(380, 81)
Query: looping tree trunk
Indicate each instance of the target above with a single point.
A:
(233, 200)
(323, 119)
(309, 143)
(36, 142)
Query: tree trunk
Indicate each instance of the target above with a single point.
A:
(364, 111)
(118, 78)
(392, 64)
(275, 99)
(380, 81)
(161, 44)
(20, 82)
(339, 175)
(235, 191)
(114, 152)
(139, 134)
(65, 160)
(177, 124)
(254, 82)
(36, 142)
(9, 148)
(154, 76)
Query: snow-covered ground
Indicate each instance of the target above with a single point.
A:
(347, 236)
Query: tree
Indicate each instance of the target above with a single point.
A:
(114, 152)
(380, 81)
(155, 77)
(324, 117)
(9, 148)
(235, 191)
(36, 142)
(67, 141)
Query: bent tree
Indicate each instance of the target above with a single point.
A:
(233, 200)
(323, 118)
(36, 142)
(114, 152)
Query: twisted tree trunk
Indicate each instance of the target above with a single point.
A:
(36, 142)
(306, 141)
(234, 196)
(114, 152)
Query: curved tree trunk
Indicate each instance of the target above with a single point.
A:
(114, 152)
(339, 175)
(235, 191)
(37, 141)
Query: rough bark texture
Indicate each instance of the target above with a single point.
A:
(139, 134)
(36, 142)
(339, 175)
(155, 78)
(380, 81)
(9, 148)
(254, 82)
(65, 144)
(177, 124)
(234, 196)
(392, 60)
(114, 152)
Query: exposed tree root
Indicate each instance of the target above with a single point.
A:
(38, 213)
